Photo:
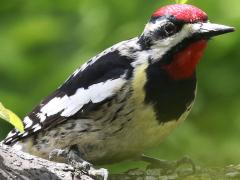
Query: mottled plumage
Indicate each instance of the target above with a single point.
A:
(127, 98)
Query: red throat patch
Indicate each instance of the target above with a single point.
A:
(184, 63)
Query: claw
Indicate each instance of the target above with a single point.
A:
(57, 154)
(73, 157)
(82, 166)
(186, 160)
(168, 165)
(87, 168)
(99, 172)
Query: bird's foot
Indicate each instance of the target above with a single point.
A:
(58, 155)
(169, 166)
(81, 167)
(86, 168)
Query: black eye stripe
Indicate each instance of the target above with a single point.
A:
(146, 41)
(171, 27)
(167, 30)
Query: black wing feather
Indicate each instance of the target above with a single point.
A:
(108, 67)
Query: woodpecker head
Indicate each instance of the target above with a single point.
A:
(178, 35)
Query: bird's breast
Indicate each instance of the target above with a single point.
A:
(159, 106)
(169, 98)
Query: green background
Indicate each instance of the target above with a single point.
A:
(42, 42)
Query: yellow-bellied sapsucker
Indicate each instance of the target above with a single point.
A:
(127, 98)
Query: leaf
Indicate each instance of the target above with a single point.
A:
(11, 117)
(181, 1)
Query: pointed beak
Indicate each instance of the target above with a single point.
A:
(208, 30)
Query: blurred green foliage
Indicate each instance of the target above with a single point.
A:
(43, 42)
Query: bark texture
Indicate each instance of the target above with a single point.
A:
(18, 165)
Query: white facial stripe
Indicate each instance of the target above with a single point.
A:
(160, 47)
(166, 44)
(69, 105)
(150, 27)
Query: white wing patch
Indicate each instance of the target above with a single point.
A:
(27, 122)
(65, 106)
(24, 134)
(69, 105)
(10, 134)
(36, 127)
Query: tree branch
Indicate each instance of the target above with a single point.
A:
(17, 165)
(23, 166)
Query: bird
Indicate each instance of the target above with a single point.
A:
(126, 99)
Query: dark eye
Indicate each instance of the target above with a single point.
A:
(170, 29)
